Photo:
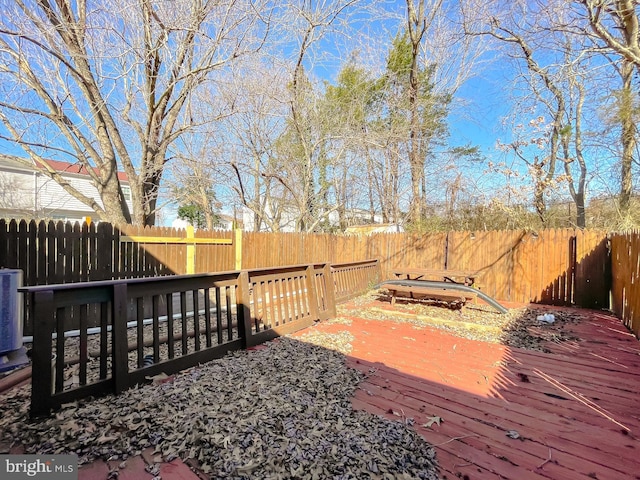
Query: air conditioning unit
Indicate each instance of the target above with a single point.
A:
(10, 310)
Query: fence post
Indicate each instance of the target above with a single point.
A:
(191, 250)
(243, 310)
(120, 360)
(42, 308)
(571, 277)
(238, 247)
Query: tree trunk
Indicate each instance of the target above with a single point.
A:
(114, 203)
(415, 157)
(417, 27)
(539, 201)
(627, 138)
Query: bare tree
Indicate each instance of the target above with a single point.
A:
(259, 93)
(192, 180)
(555, 77)
(108, 85)
(615, 24)
(439, 60)
(312, 23)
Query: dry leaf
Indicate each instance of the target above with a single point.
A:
(160, 378)
(277, 412)
(431, 421)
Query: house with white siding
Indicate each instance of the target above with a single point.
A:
(27, 193)
(289, 214)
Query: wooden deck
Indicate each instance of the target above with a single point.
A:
(575, 411)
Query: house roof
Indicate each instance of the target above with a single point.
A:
(61, 167)
(78, 169)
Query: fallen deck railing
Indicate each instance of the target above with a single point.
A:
(204, 316)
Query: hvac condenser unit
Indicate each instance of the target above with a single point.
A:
(10, 310)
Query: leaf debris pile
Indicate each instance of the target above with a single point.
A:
(338, 321)
(279, 412)
(517, 328)
(339, 341)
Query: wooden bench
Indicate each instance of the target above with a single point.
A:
(435, 293)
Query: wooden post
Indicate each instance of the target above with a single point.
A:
(330, 290)
(571, 278)
(312, 293)
(42, 309)
(243, 310)
(191, 251)
(120, 345)
(238, 248)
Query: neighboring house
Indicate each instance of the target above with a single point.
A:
(289, 217)
(27, 193)
(225, 222)
(374, 228)
(287, 222)
(354, 216)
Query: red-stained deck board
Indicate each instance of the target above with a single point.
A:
(519, 417)
(482, 445)
(603, 381)
(490, 430)
(578, 403)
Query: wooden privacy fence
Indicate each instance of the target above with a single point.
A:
(561, 267)
(58, 252)
(558, 267)
(205, 316)
(625, 290)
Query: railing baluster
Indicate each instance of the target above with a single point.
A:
(227, 294)
(120, 364)
(312, 293)
(155, 305)
(59, 360)
(196, 319)
(170, 341)
(83, 344)
(183, 316)
(207, 313)
(140, 330)
(218, 316)
(282, 292)
(297, 291)
(104, 322)
(266, 316)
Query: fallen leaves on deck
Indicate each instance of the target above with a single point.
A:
(279, 412)
(517, 328)
(431, 421)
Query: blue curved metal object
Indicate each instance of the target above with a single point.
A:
(448, 286)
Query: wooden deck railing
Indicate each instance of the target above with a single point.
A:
(352, 279)
(130, 330)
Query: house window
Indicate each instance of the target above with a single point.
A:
(126, 192)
